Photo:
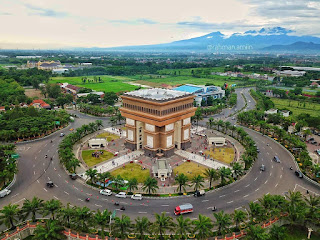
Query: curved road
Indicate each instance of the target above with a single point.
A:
(35, 171)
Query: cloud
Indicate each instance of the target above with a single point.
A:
(216, 26)
(45, 12)
(134, 21)
(5, 14)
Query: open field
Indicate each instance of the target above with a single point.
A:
(108, 136)
(311, 108)
(188, 71)
(221, 154)
(91, 161)
(132, 170)
(190, 169)
(31, 92)
(110, 83)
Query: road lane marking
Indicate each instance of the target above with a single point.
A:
(237, 190)
(256, 200)
(34, 172)
(282, 168)
(59, 175)
(76, 188)
(205, 200)
(266, 182)
(270, 174)
(56, 197)
(40, 151)
(48, 178)
(268, 153)
(276, 185)
(34, 165)
(45, 144)
(230, 202)
(255, 178)
(142, 212)
(98, 205)
(53, 145)
(164, 205)
(80, 199)
(246, 196)
(19, 201)
(257, 189)
(281, 176)
(35, 158)
(222, 195)
(66, 192)
(45, 189)
(238, 208)
(105, 199)
(56, 185)
(271, 166)
(15, 195)
(38, 181)
(247, 185)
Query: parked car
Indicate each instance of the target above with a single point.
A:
(262, 168)
(136, 197)
(4, 192)
(276, 159)
(314, 142)
(298, 174)
(121, 195)
(106, 192)
(61, 134)
(73, 176)
(199, 193)
(50, 184)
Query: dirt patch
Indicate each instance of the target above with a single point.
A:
(30, 92)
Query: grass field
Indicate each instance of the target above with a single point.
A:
(91, 161)
(311, 108)
(190, 169)
(108, 136)
(188, 71)
(110, 83)
(221, 154)
(132, 170)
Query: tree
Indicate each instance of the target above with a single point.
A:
(150, 184)
(83, 219)
(183, 227)
(142, 225)
(132, 184)
(102, 220)
(72, 164)
(239, 217)
(198, 115)
(51, 207)
(237, 169)
(66, 214)
(256, 232)
(122, 225)
(103, 177)
(9, 215)
(32, 207)
(91, 173)
(50, 231)
(182, 180)
(110, 98)
(162, 224)
(203, 226)
(224, 173)
(197, 181)
(212, 175)
(277, 232)
(223, 221)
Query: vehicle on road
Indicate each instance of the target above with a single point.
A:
(4, 192)
(73, 176)
(298, 174)
(106, 192)
(262, 168)
(199, 193)
(116, 203)
(213, 209)
(136, 197)
(121, 195)
(50, 184)
(61, 134)
(184, 208)
(122, 208)
(276, 159)
(87, 199)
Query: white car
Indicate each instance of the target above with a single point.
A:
(106, 192)
(136, 197)
(121, 195)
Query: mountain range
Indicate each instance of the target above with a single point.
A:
(252, 41)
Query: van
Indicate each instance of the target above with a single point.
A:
(276, 159)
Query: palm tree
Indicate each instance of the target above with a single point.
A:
(51, 207)
(277, 232)
(239, 217)
(117, 182)
(91, 173)
(296, 208)
(103, 177)
(150, 184)
(9, 215)
(182, 180)
(255, 212)
(313, 205)
(203, 226)
(132, 184)
(34, 206)
(183, 227)
(162, 224)
(223, 221)
(226, 127)
(247, 161)
(102, 220)
(224, 173)
(237, 169)
(99, 124)
(66, 214)
(256, 232)
(83, 219)
(142, 225)
(122, 225)
(220, 123)
(197, 181)
(73, 163)
(212, 175)
(50, 231)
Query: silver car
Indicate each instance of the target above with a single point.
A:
(121, 195)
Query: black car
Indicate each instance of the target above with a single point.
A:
(73, 176)
(50, 184)
(298, 174)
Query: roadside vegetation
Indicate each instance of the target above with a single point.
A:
(8, 165)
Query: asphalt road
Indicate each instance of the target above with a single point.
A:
(35, 170)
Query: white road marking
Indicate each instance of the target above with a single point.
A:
(34, 172)
(53, 145)
(246, 196)
(19, 201)
(230, 202)
(56, 185)
(237, 190)
(266, 182)
(168, 212)
(164, 205)
(40, 151)
(48, 178)
(80, 199)
(34, 165)
(270, 174)
(35, 157)
(222, 195)
(205, 200)
(257, 189)
(247, 185)
(66, 192)
(38, 181)
(59, 175)
(276, 185)
(15, 195)
(282, 168)
(98, 205)
(268, 153)
(45, 189)
(142, 212)
(56, 197)
(45, 170)
(255, 178)
(76, 188)
(256, 200)
(281, 176)
(46, 144)
(238, 208)
(271, 166)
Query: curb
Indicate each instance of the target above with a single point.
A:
(12, 182)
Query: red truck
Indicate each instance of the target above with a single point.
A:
(184, 208)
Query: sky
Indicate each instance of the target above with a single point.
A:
(44, 24)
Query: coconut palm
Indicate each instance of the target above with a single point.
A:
(132, 184)
(99, 124)
(224, 173)
(9, 215)
(212, 174)
(150, 185)
(237, 169)
(197, 181)
(277, 232)
(202, 227)
(183, 227)
(142, 225)
(162, 224)
(223, 221)
(255, 212)
(31, 207)
(238, 217)
(102, 219)
(313, 205)
(66, 215)
(122, 225)
(51, 207)
(256, 232)
(103, 177)
(91, 173)
(72, 164)
(247, 161)
(83, 219)
(220, 123)
(50, 231)
(181, 180)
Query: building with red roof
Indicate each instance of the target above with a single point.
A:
(40, 104)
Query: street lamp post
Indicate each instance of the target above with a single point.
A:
(309, 232)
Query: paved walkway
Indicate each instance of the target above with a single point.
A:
(201, 160)
(116, 131)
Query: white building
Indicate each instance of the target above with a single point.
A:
(97, 143)
(285, 113)
(217, 141)
(271, 111)
(162, 169)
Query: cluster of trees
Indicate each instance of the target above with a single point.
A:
(298, 211)
(27, 123)
(66, 154)
(110, 98)
(301, 81)
(8, 166)
(263, 102)
(11, 93)
(251, 153)
(255, 119)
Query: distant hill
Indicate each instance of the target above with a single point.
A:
(248, 42)
(294, 47)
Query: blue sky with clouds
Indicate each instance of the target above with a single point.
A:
(107, 23)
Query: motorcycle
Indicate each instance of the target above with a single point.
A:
(87, 199)
(116, 203)
(213, 209)
(122, 208)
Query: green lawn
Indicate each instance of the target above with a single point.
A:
(110, 83)
(311, 108)
(190, 169)
(221, 154)
(91, 161)
(108, 136)
(132, 170)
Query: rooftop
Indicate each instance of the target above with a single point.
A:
(188, 88)
(157, 94)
